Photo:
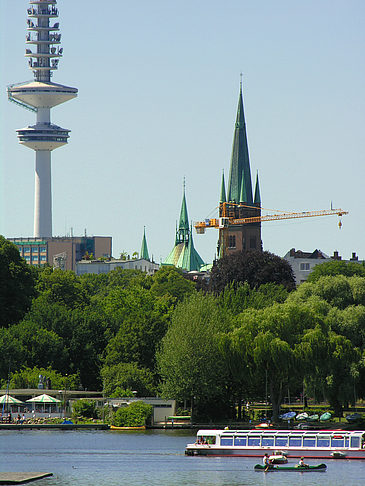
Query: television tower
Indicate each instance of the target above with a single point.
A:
(43, 50)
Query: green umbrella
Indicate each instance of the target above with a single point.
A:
(8, 399)
(44, 399)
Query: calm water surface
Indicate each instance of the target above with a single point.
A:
(147, 458)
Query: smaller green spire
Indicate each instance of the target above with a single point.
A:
(257, 191)
(223, 197)
(243, 194)
(184, 220)
(144, 250)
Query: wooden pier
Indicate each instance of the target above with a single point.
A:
(22, 477)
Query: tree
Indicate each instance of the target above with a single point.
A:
(128, 376)
(337, 267)
(140, 320)
(254, 267)
(29, 378)
(16, 284)
(63, 287)
(137, 414)
(169, 281)
(189, 361)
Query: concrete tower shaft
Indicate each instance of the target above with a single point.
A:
(43, 39)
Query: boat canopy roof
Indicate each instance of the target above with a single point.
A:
(272, 432)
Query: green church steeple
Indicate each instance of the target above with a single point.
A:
(184, 254)
(257, 199)
(144, 250)
(223, 197)
(240, 171)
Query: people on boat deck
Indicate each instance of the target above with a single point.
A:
(302, 463)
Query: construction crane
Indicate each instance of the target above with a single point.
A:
(227, 220)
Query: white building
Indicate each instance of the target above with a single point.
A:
(303, 262)
(97, 266)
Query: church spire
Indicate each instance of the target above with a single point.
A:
(243, 194)
(240, 162)
(144, 250)
(257, 191)
(184, 220)
(223, 197)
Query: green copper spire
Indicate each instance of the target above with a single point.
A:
(243, 195)
(240, 162)
(144, 250)
(183, 228)
(184, 254)
(223, 197)
(257, 191)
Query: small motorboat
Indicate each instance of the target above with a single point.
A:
(313, 418)
(318, 467)
(354, 417)
(325, 416)
(287, 416)
(302, 416)
(338, 455)
(278, 457)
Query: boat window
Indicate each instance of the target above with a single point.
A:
(267, 441)
(337, 441)
(281, 440)
(240, 440)
(347, 441)
(210, 439)
(309, 442)
(323, 441)
(295, 440)
(226, 441)
(355, 441)
(254, 440)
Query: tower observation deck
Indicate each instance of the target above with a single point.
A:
(43, 52)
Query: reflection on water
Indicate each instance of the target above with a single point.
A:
(150, 458)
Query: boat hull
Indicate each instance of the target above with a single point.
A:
(210, 450)
(318, 467)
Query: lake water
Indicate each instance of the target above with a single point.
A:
(153, 458)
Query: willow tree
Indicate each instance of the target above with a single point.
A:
(189, 361)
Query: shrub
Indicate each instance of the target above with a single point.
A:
(136, 414)
(84, 408)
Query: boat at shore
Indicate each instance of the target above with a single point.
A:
(317, 444)
(317, 467)
(141, 427)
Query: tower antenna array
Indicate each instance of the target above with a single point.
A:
(43, 52)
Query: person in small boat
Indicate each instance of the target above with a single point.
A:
(266, 461)
(302, 463)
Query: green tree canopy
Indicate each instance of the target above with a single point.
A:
(16, 284)
(128, 376)
(337, 267)
(254, 267)
(189, 361)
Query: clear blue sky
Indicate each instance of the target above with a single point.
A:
(158, 89)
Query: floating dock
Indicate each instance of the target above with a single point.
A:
(22, 477)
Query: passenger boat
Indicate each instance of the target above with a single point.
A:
(318, 467)
(326, 444)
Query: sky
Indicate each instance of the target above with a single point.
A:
(158, 91)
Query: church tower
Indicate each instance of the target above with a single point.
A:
(238, 202)
(184, 254)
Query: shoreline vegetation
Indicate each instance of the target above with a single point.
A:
(247, 335)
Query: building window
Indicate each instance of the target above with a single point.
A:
(42, 249)
(35, 249)
(305, 266)
(232, 241)
(43, 258)
(26, 249)
(27, 257)
(253, 242)
(34, 258)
